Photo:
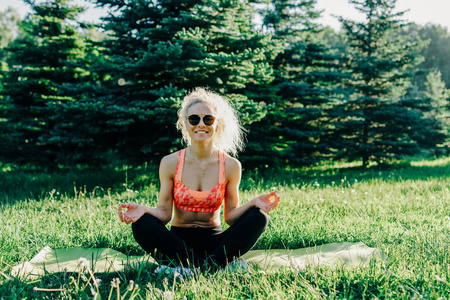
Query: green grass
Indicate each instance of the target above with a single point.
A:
(402, 210)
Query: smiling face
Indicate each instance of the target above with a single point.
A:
(201, 132)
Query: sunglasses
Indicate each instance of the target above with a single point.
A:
(208, 120)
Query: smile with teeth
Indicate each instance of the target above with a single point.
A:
(201, 131)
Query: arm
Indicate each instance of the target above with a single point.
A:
(232, 210)
(163, 211)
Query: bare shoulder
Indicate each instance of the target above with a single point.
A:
(168, 164)
(233, 166)
(170, 159)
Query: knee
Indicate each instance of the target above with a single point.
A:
(258, 217)
(145, 224)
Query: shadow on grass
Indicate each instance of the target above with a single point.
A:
(22, 185)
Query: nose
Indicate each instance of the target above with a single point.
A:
(201, 122)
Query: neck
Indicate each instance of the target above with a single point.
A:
(201, 151)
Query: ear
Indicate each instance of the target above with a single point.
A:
(217, 126)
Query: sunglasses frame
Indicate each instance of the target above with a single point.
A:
(196, 122)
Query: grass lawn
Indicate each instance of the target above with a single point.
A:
(403, 210)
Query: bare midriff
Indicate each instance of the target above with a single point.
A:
(184, 218)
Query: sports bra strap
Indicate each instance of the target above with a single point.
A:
(180, 165)
(221, 167)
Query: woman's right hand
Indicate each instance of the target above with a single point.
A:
(131, 212)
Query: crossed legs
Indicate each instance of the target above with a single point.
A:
(200, 247)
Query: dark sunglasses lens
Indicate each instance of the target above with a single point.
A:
(208, 120)
(194, 119)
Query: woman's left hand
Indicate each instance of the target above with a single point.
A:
(265, 203)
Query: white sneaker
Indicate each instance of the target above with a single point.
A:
(236, 266)
(165, 269)
(177, 271)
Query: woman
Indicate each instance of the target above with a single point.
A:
(194, 183)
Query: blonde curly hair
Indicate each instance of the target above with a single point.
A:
(229, 137)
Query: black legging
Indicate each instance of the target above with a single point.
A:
(200, 247)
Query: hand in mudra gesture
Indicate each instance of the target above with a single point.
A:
(267, 202)
(131, 212)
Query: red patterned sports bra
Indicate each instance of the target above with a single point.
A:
(198, 201)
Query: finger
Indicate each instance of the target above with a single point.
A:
(274, 204)
(268, 195)
(277, 197)
(272, 197)
(122, 206)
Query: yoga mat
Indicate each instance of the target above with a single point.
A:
(334, 254)
(107, 260)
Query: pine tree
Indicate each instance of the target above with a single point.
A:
(37, 68)
(308, 74)
(158, 51)
(436, 52)
(437, 116)
(377, 122)
(9, 26)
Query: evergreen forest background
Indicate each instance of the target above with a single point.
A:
(80, 94)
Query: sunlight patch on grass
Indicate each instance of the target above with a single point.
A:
(444, 161)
